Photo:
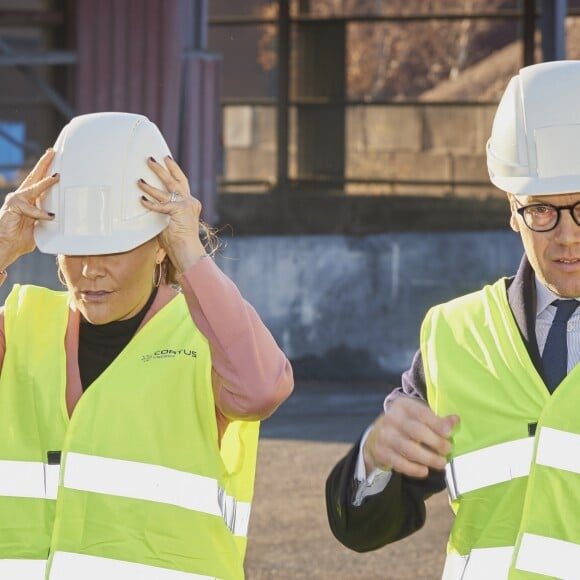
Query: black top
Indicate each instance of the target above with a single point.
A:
(99, 344)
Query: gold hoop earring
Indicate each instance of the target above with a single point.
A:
(157, 274)
(61, 277)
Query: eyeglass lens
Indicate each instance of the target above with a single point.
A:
(544, 217)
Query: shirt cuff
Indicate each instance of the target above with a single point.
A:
(372, 484)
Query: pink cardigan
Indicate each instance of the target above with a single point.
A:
(251, 376)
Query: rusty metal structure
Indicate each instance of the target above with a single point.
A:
(143, 56)
(59, 58)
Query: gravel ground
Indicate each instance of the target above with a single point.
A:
(289, 537)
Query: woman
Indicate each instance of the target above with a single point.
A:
(148, 397)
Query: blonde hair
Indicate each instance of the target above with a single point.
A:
(211, 242)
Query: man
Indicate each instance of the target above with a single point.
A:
(498, 371)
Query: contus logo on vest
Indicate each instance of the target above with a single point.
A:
(168, 353)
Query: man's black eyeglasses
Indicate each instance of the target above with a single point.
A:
(543, 217)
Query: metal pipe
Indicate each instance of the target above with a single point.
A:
(283, 92)
(302, 17)
(553, 25)
(23, 146)
(63, 107)
(529, 31)
(48, 58)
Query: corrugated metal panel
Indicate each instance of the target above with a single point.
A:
(194, 24)
(153, 59)
(120, 65)
(201, 128)
(135, 55)
(211, 86)
(103, 55)
(171, 85)
(134, 13)
(86, 77)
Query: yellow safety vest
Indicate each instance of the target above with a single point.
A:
(477, 367)
(144, 490)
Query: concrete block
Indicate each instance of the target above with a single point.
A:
(263, 165)
(236, 163)
(400, 165)
(250, 164)
(469, 167)
(293, 129)
(485, 192)
(453, 129)
(420, 166)
(393, 128)
(238, 126)
(367, 164)
(421, 189)
(486, 115)
(356, 136)
(403, 165)
(466, 167)
(265, 128)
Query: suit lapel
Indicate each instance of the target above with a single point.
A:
(521, 293)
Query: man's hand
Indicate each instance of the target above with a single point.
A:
(409, 438)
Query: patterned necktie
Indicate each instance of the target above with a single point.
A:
(555, 355)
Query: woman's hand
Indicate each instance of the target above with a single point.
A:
(20, 212)
(180, 239)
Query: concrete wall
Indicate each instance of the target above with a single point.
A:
(345, 308)
(350, 307)
(407, 142)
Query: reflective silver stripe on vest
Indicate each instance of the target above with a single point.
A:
(548, 556)
(22, 569)
(559, 449)
(51, 477)
(481, 564)
(155, 483)
(28, 479)
(488, 466)
(70, 566)
(236, 513)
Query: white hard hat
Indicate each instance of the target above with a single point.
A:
(534, 148)
(100, 158)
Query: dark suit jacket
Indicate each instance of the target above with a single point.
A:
(399, 510)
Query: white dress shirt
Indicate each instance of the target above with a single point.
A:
(377, 481)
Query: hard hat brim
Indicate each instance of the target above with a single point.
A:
(533, 186)
(75, 245)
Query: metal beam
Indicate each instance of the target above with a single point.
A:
(48, 58)
(283, 92)
(23, 146)
(21, 18)
(321, 50)
(553, 24)
(529, 31)
(59, 102)
(303, 16)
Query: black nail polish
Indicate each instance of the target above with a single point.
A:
(152, 159)
(141, 180)
(50, 214)
(55, 174)
(144, 198)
